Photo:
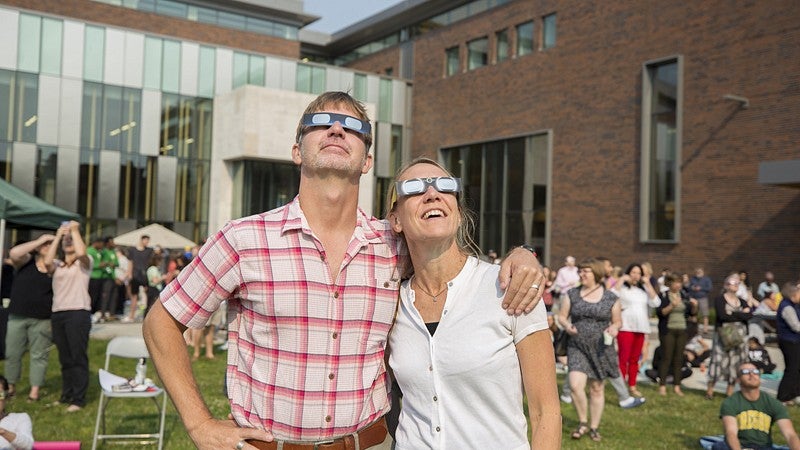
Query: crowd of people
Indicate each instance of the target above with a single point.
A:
(682, 305)
(60, 287)
(320, 348)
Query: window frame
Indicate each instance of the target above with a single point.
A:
(477, 42)
(646, 150)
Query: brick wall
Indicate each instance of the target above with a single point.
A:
(104, 14)
(587, 90)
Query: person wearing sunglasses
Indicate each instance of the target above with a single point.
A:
(461, 362)
(749, 414)
(312, 289)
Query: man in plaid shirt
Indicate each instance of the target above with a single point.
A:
(312, 289)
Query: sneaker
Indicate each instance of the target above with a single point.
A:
(73, 408)
(566, 398)
(126, 320)
(96, 316)
(633, 403)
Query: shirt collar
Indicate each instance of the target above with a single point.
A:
(365, 231)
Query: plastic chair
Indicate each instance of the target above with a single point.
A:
(132, 347)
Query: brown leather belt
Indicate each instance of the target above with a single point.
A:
(369, 436)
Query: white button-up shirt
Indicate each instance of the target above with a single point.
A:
(462, 388)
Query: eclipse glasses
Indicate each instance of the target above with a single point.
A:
(416, 186)
(326, 119)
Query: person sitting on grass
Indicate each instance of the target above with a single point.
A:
(758, 355)
(748, 415)
(15, 428)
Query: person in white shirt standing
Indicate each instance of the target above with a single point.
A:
(460, 360)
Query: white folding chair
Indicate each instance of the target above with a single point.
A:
(132, 347)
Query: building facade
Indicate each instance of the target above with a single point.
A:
(663, 132)
(130, 112)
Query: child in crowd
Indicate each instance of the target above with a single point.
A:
(759, 356)
(697, 350)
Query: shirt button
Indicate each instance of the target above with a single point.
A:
(438, 429)
(430, 368)
(335, 335)
(386, 284)
(435, 398)
(327, 418)
(335, 295)
(330, 376)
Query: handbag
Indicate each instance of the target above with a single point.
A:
(560, 343)
(730, 336)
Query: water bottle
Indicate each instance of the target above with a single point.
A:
(141, 371)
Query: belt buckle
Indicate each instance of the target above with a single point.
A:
(328, 442)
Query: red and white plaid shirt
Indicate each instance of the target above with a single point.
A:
(306, 352)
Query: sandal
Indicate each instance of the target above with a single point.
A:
(595, 435)
(635, 392)
(582, 429)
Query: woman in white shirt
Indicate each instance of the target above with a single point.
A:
(636, 294)
(462, 363)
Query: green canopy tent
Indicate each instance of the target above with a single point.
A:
(27, 211)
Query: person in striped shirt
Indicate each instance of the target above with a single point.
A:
(312, 289)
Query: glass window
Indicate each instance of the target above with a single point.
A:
(452, 61)
(549, 31)
(27, 106)
(385, 100)
(144, 5)
(8, 81)
(310, 79)
(170, 118)
(171, 66)
(477, 53)
(30, 35)
(87, 188)
(5, 159)
(206, 72)
(152, 63)
(52, 30)
(317, 79)
(47, 164)
(660, 145)
(256, 70)
(260, 26)
(266, 185)
(131, 117)
(206, 15)
(303, 78)
(502, 48)
(172, 8)
(230, 20)
(92, 113)
(93, 53)
(505, 184)
(241, 63)
(525, 38)
(18, 115)
(111, 118)
(360, 87)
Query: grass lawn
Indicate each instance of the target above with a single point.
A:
(661, 423)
